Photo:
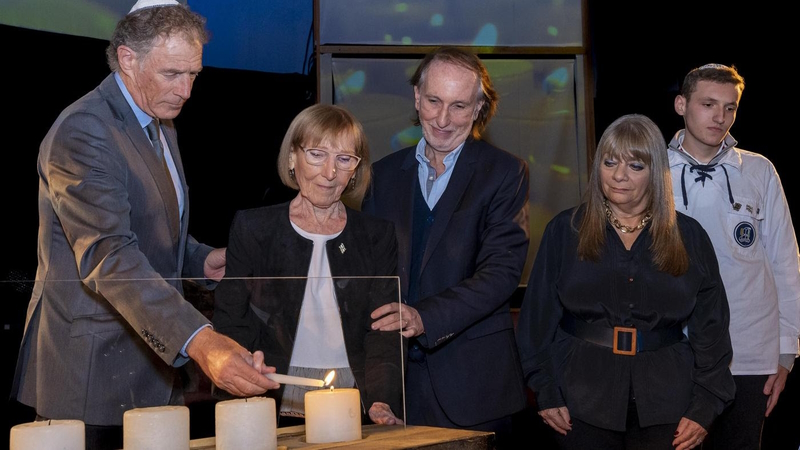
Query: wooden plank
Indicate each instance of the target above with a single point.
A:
(382, 437)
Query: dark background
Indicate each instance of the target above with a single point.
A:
(232, 127)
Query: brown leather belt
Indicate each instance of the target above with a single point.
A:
(621, 340)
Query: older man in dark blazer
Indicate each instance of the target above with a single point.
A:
(107, 324)
(459, 206)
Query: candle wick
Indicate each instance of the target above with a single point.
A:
(49, 422)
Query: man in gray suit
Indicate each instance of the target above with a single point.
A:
(107, 325)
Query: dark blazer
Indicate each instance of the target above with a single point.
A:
(472, 264)
(94, 347)
(263, 313)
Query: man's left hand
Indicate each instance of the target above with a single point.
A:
(394, 316)
(774, 386)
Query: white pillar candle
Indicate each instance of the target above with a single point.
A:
(49, 434)
(156, 428)
(246, 423)
(333, 415)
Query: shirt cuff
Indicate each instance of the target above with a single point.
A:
(183, 357)
(786, 360)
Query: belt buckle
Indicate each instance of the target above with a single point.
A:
(615, 347)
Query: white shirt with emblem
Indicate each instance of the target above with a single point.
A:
(756, 247)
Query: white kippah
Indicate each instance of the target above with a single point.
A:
(142, 4)
(713, 66)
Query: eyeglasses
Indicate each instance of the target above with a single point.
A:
(343, 161)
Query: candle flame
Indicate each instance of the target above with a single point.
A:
(329, 377)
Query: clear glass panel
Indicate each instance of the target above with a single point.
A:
(552, 23)
(317, 324)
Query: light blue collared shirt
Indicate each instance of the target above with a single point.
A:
(432, 186)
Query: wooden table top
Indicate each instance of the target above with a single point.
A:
(381, 437)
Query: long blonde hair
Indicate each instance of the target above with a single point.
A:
(636, 137)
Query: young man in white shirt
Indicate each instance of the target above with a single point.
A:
(738, 198)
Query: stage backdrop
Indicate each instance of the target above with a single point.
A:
(268, 36)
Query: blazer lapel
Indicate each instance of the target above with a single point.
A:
(407, 181)
(123, 112)
(162, 179)
(451, 199)
(173, 210)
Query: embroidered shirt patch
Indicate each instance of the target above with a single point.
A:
(744, 234)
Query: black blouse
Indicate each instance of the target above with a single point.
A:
(624, 288)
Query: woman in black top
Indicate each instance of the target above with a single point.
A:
(302, 277)
(623, 332)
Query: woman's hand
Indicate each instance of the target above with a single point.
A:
(214, 266)
(688, 435)
(557, 418)
(381, 414)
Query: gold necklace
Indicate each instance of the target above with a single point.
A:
(624, 228)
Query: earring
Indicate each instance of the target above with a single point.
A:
(353, 182)
(291, 173)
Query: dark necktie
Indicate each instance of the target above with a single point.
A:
(153, 132)
(153, 129)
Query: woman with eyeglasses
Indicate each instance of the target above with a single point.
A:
(302, 277)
